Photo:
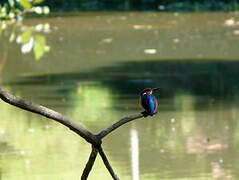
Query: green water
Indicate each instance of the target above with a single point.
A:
(91, 68)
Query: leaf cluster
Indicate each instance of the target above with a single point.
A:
(14, 9)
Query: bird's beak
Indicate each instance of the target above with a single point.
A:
(155, 89)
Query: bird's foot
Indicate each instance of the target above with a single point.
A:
(145, 114)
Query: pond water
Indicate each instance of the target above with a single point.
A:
(91, 68)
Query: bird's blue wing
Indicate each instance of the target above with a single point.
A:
(149, 103)
(152, 103)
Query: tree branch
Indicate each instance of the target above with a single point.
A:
(49, 113)
(94, 140)
(119, 123)
(107, 164)
(90, 163)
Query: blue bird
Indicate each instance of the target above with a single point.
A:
(148, 101)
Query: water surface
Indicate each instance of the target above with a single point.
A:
(91, 67)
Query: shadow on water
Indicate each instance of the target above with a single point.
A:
(206, 78)
(199, 78)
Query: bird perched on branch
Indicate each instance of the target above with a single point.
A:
(148, 101)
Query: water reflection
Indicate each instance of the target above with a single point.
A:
(134, 150)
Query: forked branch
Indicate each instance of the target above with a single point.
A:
(94, 140)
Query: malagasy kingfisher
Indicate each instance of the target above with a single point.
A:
(148, 101)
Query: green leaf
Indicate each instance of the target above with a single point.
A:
(12, 37)
(25, 36)
(39, 46)
(4, 10)
(37, 1)
(25, 4)
(12, 3)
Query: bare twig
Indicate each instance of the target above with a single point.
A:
(49, 113)
(107, 164)
(119, 123)
(90, 163)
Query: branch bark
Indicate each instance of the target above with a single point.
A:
(90, 163)
(119, 123)
(107, 164)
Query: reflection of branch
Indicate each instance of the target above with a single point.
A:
(93, 139)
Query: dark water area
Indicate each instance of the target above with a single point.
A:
(91, 68)
(203, 79)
